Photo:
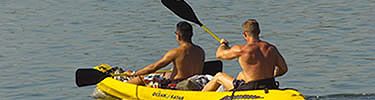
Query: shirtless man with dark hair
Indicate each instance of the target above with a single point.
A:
(260, 61)
(188, 59)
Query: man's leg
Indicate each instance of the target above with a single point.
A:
(241, 76)
(138, 80)
(219, 79)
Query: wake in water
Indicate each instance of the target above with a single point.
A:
(363, 96)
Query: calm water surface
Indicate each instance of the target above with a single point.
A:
(328, 44)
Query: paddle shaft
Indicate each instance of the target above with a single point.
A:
(159, 71)
(212, 34)
(89, 76)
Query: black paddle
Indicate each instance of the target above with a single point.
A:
(86, 77)
(183, 10)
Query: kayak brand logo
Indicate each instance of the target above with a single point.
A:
(167, 96)
(241, 97)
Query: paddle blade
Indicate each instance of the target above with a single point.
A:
(86, 77)
(212, 67)
(181, 9)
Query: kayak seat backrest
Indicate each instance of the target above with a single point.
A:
(212, 67)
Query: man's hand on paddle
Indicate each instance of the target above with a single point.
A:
(224, 43)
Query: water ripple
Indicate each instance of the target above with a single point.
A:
(328, 45)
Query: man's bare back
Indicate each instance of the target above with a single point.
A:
(188, 62)
(187, 59)
(258, 61)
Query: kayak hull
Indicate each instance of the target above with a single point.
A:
(124, 90)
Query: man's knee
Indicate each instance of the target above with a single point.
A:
(219, 74)
(136, 80)
(240, 76)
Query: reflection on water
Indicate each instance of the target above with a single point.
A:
(362, 96)
(328, 45)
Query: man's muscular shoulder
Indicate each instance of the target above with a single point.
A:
(173, 52)
(266, 45)
(237, 48)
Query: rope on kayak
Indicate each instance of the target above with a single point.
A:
(236, 85)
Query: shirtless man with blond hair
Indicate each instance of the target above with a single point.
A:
(188, 59)
(260, 61)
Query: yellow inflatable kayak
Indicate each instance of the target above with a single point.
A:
(110, 87)
(124, 90)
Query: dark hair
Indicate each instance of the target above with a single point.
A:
(184, 30)
(251, 26)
